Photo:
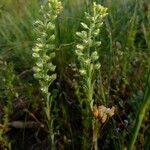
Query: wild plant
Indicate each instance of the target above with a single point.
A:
(89, 65)
(44, 53)
(7, 77)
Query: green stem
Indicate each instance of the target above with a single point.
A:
(49, 99)
(95, 134)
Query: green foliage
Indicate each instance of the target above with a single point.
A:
(16, 31)
(7, 78)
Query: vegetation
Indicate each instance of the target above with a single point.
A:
(74, 74)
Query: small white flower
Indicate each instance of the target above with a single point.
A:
(97, 66)
(94, 56)
(82, 72)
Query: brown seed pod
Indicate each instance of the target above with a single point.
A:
(111, 112)
(104, 118)
(102, 113)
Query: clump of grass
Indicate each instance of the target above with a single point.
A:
(44, 52)
(17, 38)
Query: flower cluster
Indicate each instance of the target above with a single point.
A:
(102, 113)
(43, 51)
(86, 49)
(88, 57)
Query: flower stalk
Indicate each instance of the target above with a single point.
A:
(44, 53)
(87, 55)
